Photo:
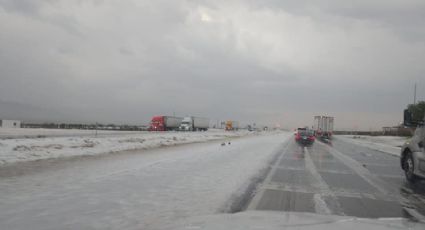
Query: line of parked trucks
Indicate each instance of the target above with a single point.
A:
(189, 123)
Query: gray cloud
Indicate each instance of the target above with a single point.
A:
(266, 62)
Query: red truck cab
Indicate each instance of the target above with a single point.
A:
(157, 124)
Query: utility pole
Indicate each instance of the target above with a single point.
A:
(414, 96)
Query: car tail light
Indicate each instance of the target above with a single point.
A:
(298, 136)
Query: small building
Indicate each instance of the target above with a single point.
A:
(10, 124)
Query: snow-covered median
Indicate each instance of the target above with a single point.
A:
(7, 133)
(138, 191)
(386, 144)
(29, 149)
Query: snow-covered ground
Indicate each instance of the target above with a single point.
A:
(387, 144)
(28, 149)
(7, 133)
(136, 191)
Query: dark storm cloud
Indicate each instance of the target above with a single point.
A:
(259, 61)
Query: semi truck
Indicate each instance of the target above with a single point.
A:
(191, 123)
(165, 123)
(232, 125)
(323, 126)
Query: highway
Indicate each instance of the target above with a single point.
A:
(149, 188)
(339, 178)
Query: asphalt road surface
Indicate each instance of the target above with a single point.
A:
(339, 178)
(144, 189)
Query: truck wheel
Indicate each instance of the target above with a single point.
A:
(409, 167)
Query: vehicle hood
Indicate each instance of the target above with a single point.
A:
(290, 220)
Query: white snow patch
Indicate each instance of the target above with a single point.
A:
(137, 191)
(29, 149)
(386, 144)
(7, 133)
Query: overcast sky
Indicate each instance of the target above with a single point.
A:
(269, 62)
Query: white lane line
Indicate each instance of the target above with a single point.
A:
(257, 197)
(412, 193)
(320, 205)
(364, 173)
(314, 189)
(289, 188)
(415, 214)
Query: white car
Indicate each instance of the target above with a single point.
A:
(412, 157)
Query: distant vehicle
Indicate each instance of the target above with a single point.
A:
(304, 136)
(165, 123)
(412, 157)
(194, 124)
(232, 125)
(323, 126)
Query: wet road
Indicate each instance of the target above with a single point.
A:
(142, 190)
(339, 178)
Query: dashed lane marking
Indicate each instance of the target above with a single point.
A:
(364, 173)
(255, 201)
(320, 204)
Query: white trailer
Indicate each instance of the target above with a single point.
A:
(172, 122)
(10, 124)
(316, 123)
(195, 124)
(201, 123)
(323, 126)
(329, 126)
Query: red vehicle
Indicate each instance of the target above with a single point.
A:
(165, 123)
(304, 136)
